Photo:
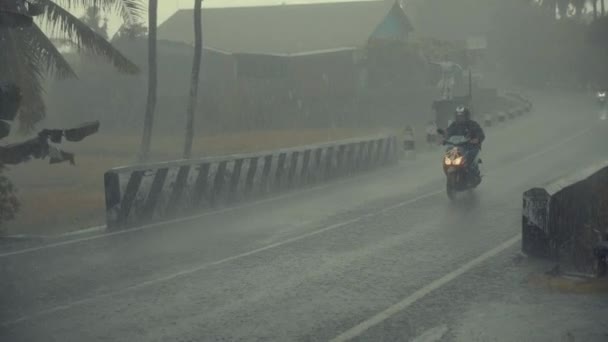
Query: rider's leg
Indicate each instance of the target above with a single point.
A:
(471, 156)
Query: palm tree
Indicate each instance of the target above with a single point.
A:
(151, 103)
(594, 3)
(196, 67)
(28, 55)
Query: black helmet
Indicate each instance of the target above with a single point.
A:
(462, 111)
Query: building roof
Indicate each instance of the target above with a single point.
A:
(282, 29)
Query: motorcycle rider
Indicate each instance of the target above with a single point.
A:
(601, 98)
(463, 125)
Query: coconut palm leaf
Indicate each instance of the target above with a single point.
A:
(49, 58)
(29, 56)
(130, 10)
(65, 25)
(21, 64)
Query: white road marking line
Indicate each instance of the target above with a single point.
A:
(555, 146)
(207, 265)
(84, 231)
(189, 218)
(251, 204)
(432, 335)
(262, 249)
(380, 317)
(277, 198)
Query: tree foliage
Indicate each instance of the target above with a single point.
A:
(29, 55)
(94, 20)
(549, 41)
(9, 205)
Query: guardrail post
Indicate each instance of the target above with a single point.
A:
(178, 189)
(341, 159)
(318, 175)
(201, 186)
(111, 183)
(379, 150)
(370, 154)
(235, 178)
(129, 196)
(501, 117)
(218, 182)
(350, 159)
(361, 156)
(266, 173)
(534, 223)
(253, 167)
(293, 165)
(154, 193)
(305, 171)
(329, 153)
(487, 120)
(387, 151)
(394, 149)
(278, 177)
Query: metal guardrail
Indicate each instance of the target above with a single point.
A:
(567, 219)
(155, 192)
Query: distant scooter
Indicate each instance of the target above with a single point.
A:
(456, 166)
(601, 99)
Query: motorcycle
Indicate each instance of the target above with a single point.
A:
(601, 99)
(456, 166)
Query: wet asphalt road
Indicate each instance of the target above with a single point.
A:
(383, 256)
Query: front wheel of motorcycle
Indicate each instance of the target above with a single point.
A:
(450, 190)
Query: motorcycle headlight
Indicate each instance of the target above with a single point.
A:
(447, 161)
(457, 161)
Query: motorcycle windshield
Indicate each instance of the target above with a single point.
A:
(456, 140)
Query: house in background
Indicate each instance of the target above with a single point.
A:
(296, 57)
(287, 29)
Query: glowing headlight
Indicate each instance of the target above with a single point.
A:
(447, 161)
(601, 95)
(457, 161)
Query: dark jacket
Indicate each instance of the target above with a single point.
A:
(468, 128)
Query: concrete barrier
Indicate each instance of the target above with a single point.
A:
(567, 219)
(519, 105)
(501, 117)
(512, 113)
(159, 191)
(524, 104)
(488, 120)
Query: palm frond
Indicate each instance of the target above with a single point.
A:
(21, 64)
(130, 10)
(65, 25)
(51, 59)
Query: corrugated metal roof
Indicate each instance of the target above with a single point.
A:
(281, 29)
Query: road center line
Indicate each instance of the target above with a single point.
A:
(210, 264)
(289, 241)
(380, 317)
(192, 217)
(254, 203)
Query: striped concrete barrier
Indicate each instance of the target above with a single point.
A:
(155, 192)
(567, 219)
